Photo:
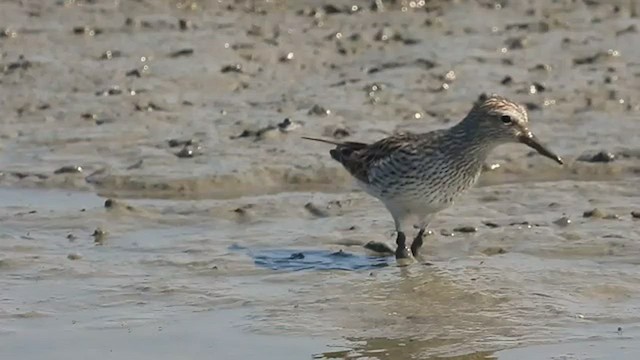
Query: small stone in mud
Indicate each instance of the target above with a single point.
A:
(314, 210)
(318, 110)
(507, 80)
(490, 224)
(445, 232)
(287, 57)
(563, 221)
(111, 204)
(379, 247)
(602, 157)
(85, 30)
(466, 229)
(69, 169)
(587, 60)
(22, 63)
(384, 34)
(237, 68)
(74, 256)
(186, 152)
(536, 87)
(340, 132)
(516, 43)
(522, 223)
(110, 54)
(149, 107)
(182, 52)
(635, 214)
(71, 237)
(594, 213)
(494, 251)
(296, 256)
(287, 125)
(99, 236)
(184, 24)
(115, 90)
(340, 253)
(178, 142)
(134, 73)
(243, 211)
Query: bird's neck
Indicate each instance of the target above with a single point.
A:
(470, 142)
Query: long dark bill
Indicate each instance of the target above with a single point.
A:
(530, 140)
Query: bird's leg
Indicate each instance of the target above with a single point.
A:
(402, 252)
(417, 242)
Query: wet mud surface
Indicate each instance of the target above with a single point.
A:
(152, 171)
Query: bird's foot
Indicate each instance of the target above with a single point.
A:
(403, 255)
(417, 242)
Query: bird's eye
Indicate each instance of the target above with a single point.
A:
(506, 119)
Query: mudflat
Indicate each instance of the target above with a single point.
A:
(157, 200)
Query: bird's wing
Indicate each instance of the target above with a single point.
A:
(360, 162)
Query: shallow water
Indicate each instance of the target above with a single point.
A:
(253, 248)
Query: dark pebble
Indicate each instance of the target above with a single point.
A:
(532, 106)
(134, 73)
(490, 224)
(99, 236)
(69, 169)
(635, 214)
(315, 211)
(466, 229)
(494, 251)
(177, 142)
(387, 66)
(541, 67)
(516, 43)
(110, 54)
(594, 213)
(109, 203)
(379, 247)
(340, 253)
(85, 30)
(445, 232)
(185, 24)
(286, 57)
(148, 107)
(237, 68)
(601, 157)
(296, 256)
(507, 80)
(21, 64)
(340, 133)
(287, 125)
(186, 152)
(587, 60)
(115, 90)
(563, 221)
(537, 87)
(318, 110)
(180, 53)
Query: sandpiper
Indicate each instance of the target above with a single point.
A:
(417, 175)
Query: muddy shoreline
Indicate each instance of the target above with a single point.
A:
(155, 189)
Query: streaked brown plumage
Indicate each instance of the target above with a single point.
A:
(417, 175)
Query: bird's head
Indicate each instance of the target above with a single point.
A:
(505, 121)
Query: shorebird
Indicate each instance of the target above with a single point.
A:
(417, 175)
